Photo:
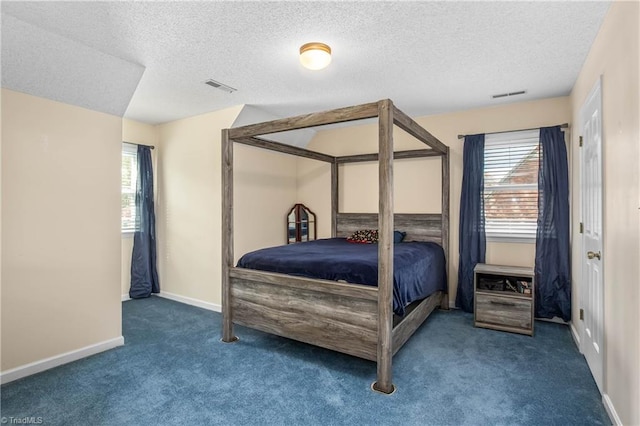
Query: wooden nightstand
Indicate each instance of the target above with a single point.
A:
(504, 298)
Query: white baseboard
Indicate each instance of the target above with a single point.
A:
(555, 320)
(575, 335)
(55, 361)
(190, 301)
(611, 411)
(125, 297)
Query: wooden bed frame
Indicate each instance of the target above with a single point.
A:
(349, 318)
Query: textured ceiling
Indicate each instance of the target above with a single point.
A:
(44, 64)
(428, 57)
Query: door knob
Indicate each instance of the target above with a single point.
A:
(591, 255)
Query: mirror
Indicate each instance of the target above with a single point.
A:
(301, 224)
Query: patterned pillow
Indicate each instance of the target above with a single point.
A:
(365, 236)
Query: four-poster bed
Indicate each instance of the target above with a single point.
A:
(349, 318)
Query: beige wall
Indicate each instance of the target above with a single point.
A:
(146, 134)
(615, 55)
(417, 182)
(265, 185)
(189, 202)
(61, 228)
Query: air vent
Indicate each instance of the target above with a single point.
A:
(504, 95)
(220, 86)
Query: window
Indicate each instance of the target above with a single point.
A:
(511, 162)
(129, 180)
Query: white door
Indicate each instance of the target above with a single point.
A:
(592, 294)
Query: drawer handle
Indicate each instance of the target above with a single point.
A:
(497, 302)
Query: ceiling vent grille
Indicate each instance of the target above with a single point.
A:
(504, 95)
(220, 86)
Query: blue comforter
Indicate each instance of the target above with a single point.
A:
(419, 267)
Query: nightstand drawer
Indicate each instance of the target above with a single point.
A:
(500, 310)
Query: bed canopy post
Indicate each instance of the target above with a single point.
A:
(444, 304)
(385, 248)
(227, 235)
(334, 198)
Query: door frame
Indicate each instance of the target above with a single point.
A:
(596, 89)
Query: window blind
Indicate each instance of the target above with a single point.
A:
(129, 181)
(511, 162)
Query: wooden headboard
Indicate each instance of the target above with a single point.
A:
(418, 226)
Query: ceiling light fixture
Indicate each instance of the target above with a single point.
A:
(315, 56)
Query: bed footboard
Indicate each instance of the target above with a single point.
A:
(336, 316)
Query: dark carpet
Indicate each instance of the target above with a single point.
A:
(174, 370)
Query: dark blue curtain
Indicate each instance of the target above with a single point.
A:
(144, 275)
(472, 243)
(552, 273)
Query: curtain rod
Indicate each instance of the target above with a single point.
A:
(141, 144)
(562, 126)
